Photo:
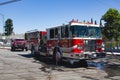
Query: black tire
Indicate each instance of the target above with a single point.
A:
(26, 49)
(83, 63)
(57, 56)
(22, 49)
(12, 49)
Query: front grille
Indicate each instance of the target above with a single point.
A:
(89, 45)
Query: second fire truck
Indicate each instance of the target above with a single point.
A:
(72, 42)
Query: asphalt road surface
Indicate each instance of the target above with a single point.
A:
(21, 65)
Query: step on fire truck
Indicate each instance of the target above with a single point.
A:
(71, 42)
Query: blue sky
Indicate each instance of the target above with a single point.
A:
(41, 14)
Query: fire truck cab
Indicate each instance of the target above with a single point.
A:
(75, 41)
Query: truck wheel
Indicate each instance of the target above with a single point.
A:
(12, 49)
(26, 49)
(57, 56)
(83, 63)
(22, 49)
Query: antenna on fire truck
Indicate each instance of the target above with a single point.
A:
(74, 21)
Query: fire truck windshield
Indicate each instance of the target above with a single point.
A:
(94, 32)
(85, 31)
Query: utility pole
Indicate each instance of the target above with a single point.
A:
(2, 21)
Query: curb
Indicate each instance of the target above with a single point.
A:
(5, 48)
(115, 53)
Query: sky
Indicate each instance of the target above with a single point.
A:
(41, 14)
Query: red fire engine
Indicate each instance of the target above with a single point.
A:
(71, 42)
(34, 39)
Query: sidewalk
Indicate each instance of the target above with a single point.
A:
(2, 47)
(115, 53)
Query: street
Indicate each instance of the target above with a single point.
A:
(21, 65)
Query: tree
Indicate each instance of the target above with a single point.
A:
(8, 27)
(112, 24)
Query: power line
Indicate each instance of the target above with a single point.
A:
(7, 2)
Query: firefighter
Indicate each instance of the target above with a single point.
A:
(41, 42)
(42, 46)
(32, 49)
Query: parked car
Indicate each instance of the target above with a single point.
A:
(18, 44)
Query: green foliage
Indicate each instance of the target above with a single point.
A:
(118, 39)
(107, 44)
(8, 27)
(113, 43)
(110, 44)
(112, 24)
